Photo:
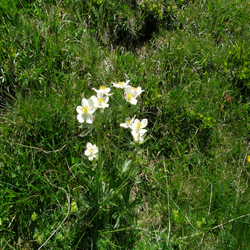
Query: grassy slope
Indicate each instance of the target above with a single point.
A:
(193, 173)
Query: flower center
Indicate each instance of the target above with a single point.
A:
(128, 121)
(134, 88)
(138, 126)
(129, 97)
(121, 83)
(91, 151)
(85, 109)
(99, 101)
(102, 87)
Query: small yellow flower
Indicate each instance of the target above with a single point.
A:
(74, 207)
(34, 216)
(248, 158)
(39, 237)
(199, 223)
(60, 237)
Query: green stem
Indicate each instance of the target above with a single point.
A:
(99, 143)
(114, 231)
(124, 110)
(118, 148)
(134, 155)
(99, 168)
(133, 160)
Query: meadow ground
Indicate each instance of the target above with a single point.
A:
(186, 186)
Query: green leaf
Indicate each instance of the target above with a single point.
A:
(87, 131)
(90, 172)
(126, 166)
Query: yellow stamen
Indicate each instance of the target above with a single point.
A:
(85, 109)
(91, 151)
(121, 83)
(134, 88)
(102, 87)
(128, 121)
(129, 97)
(138, 125)
(99, 101)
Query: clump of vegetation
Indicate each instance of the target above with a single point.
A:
(187, 186)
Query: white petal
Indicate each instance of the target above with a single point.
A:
(115, 85)
(93, 99)
(105, 99)
(89, 145)
(133, 101)
(80, 118)
(143, 131)
(124, 125)
(99, 94)
(84, 102)
(95, 149)
(134, 94)
(134, 124)
(133, 119)
(87, 153)
(92, 107)
(89, 118)
(128, 90)
(144, 123)
(109, 94)
(135, 133)
(139, 91)
(79, 109)
(92, 110)
(90, 102)
(138, 139)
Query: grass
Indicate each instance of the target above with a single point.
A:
(192, 58)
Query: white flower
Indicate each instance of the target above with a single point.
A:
(100, 101)
(121, 85)
(138, 127)
(130, 95)
(137, 90)
(91, 151)
(138, 138)
(103, 90)
(85, 111)
(128, 122)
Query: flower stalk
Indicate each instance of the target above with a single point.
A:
(118, 147)
(112, 188)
